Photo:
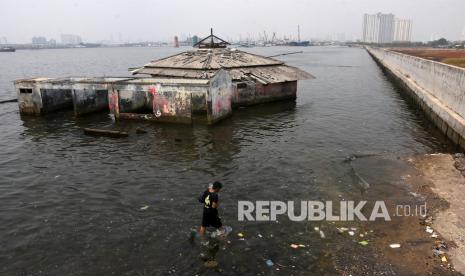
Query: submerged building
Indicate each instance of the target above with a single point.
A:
(255, 79)
(211, 79)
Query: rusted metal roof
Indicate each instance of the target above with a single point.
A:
(204, 63)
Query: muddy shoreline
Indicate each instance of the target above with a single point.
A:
(408, 181)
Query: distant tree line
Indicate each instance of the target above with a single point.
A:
(439, 43)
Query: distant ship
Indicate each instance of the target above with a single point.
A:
(298, 43)
(7, 49)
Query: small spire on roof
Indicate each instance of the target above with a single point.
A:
(212, 41)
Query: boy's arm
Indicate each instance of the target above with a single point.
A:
(215, 202)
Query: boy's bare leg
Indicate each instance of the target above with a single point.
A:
(202, 230)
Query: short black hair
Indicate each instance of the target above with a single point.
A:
(217, 185)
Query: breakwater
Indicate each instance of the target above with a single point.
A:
(439, 89)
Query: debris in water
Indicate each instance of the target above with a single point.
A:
(342, 229)
(351, 233)
(316, 228)
(269, 262)
(145, 207)
(211, 264)
(140, 131)
(394, 245)
(322, 234)
(364, 243)
(240, 235)
(295, 246)
(260, 235)
(105, 132)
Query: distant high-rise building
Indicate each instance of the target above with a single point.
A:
(195, 39)
(402, 30)
(176, 41)
(70, 39)
(39, 40)
(378, 28)
(370, 28)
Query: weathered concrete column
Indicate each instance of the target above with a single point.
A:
(219, 97)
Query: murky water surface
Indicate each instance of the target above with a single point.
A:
(70, 204)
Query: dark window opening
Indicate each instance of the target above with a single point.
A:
(241, 85)
(25, 90)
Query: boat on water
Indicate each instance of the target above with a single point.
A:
(7, 49)
(298, 43)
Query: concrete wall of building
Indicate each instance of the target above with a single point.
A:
(219, 97)
(44, 98)
(88, 98)
(276, 91)
(154, 102)
(250, 92)
(29, 99)
(438, 88)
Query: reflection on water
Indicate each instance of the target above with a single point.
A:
(70, 204)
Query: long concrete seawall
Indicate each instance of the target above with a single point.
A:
(438, 88)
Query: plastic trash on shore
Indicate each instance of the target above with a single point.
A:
(240, 235)
(322, 234)
(145, 207)
(269, 262)
(444, 259)
(438, 253)
(394, 245)
(351, 233)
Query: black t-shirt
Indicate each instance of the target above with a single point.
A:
(207, 200)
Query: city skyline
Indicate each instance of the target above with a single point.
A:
(160, 21)
(385, 28)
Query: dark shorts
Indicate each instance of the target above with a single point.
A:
(211, 219)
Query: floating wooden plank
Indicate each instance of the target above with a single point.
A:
(105, 132)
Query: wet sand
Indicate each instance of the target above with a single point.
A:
(414, 181)
(449, 184)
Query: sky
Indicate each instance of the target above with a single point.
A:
(155, 20)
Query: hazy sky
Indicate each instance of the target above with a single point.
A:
(155, 20)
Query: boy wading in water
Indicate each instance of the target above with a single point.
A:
(210, 202)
